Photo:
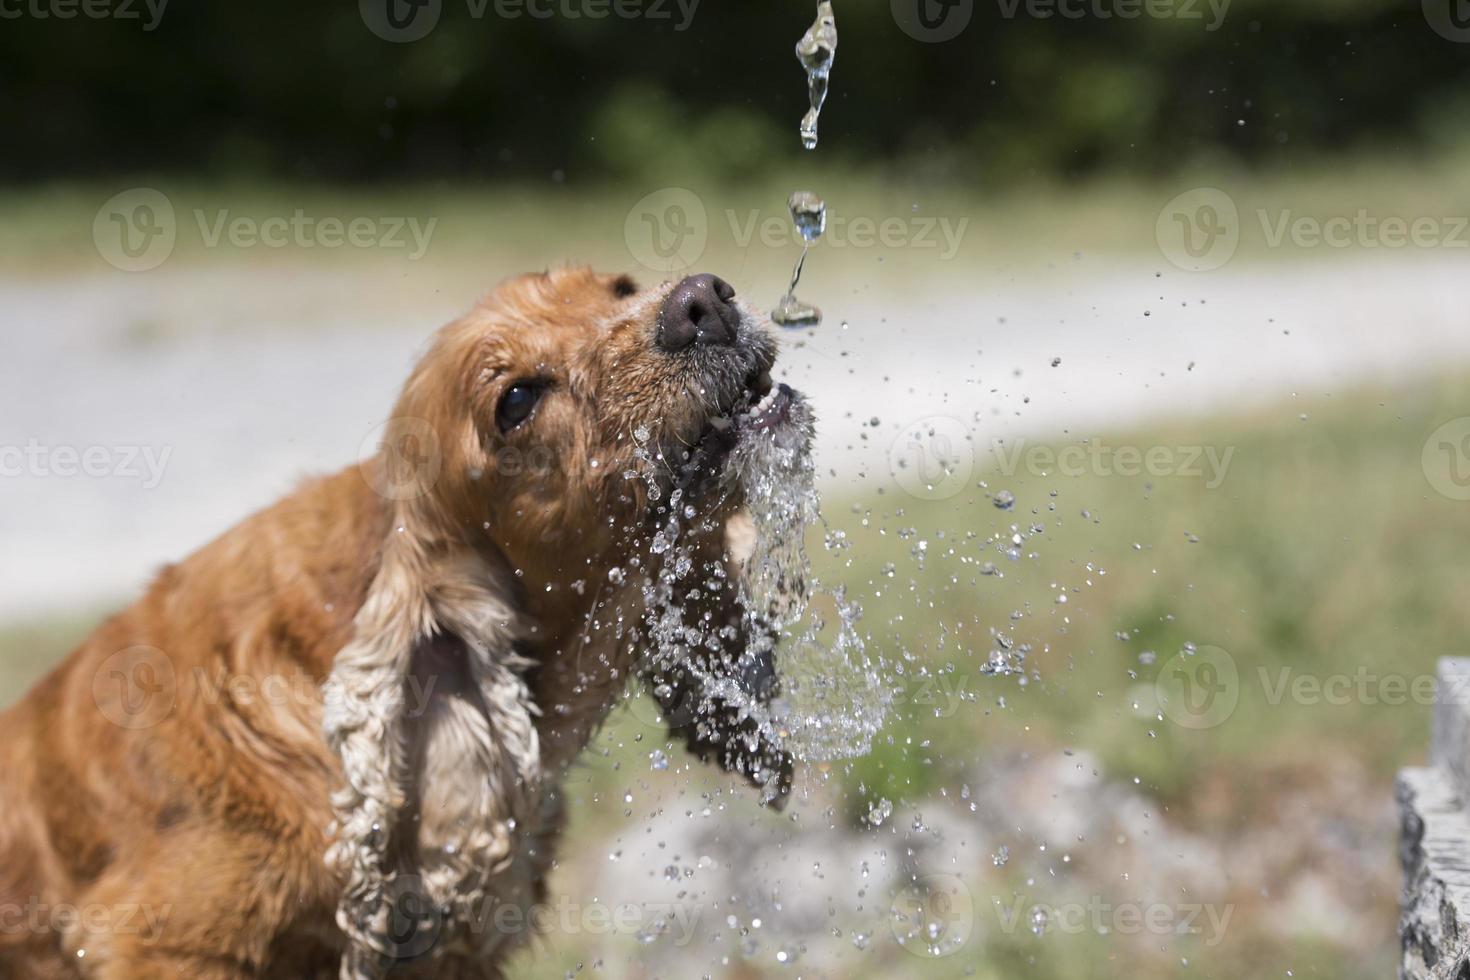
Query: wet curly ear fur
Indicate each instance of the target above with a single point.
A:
(364, 725)
(424, 592)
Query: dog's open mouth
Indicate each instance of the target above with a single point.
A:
(762, 409)
(767, 407)
(761, 419)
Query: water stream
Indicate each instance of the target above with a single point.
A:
(816, 51)
(809, 214)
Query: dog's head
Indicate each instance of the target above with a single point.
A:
(572, 417)
(569, 404)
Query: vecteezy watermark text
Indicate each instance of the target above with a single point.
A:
(1102, 917)
(1211, 12)
(405, 21)
(1363, 687)
(856, 231)
(1201, 229)
(87, 9)
(305, 231)
(137, 229)
(92, 919)
(1096, 458)
(415, 922)
(669, 229)
(1446, 459)
(36, 459)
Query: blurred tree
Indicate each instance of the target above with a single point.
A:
(309, 90)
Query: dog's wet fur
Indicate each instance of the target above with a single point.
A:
(373, 688)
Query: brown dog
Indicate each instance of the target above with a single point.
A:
(329, 743)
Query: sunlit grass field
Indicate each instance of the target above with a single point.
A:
(1325, 551)
(570, 217)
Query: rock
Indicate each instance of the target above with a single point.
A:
(1434, 842)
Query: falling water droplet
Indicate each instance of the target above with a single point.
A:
(809, 214)
(816, 51)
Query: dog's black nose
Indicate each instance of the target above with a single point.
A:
(698, 311)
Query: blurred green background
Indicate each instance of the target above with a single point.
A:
(1330, 549)
(303, 91)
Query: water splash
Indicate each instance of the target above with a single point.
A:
(833, 695)
(816, 51)
(809, 215)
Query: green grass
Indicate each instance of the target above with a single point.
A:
(1325, 551)
(29, 648)
(1000, 228)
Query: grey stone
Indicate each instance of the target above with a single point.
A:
(1449, 748)
(1434, 843)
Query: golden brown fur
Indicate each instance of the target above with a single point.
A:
(171, 782)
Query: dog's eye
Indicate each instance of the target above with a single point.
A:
(517, 404)
(623, 287)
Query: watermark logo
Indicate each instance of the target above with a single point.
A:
(933, 21)
(135, 230)
(404, 21)
(1362, 229)
(221, 687)
(135, 688)
(667, 231)
(1199, 230)
(90, 9)
(401, 459)
(145, 464)
(1102, 917)
(414, 921)
(939, 234)
(1208, 464)
(1446, 459)
(942, 694)
(1198, 688)
(1211, 12)
(934, 917)
(1362, 687)
(670, 707)
(932, 459)
(302, 230)
(1450, 19)
(400, 21)
(83, 924)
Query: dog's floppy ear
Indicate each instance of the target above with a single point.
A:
(422, 605)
